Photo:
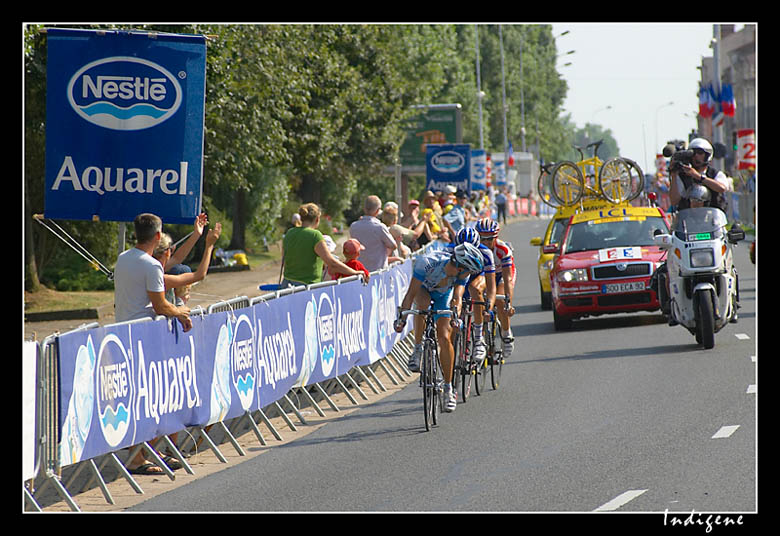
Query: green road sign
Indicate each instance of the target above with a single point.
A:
(437, 123)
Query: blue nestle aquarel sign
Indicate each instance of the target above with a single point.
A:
(124, 125)
(448, 164)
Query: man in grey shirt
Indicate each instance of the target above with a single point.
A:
(374, 235)
(139, 292)
(139, 288)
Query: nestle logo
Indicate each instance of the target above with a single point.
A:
(124, 93)
(448, 161)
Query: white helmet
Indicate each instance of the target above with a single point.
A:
(704, 145)
(469, 257)
(699, 192)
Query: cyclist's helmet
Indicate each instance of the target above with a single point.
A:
(469, 257)
(704, 145)
(488, 227)
(467, 234)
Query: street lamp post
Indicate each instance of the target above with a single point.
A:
(480, 93)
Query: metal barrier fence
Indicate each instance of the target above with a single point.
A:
(47, 451)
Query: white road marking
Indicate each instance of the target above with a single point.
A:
(725, 431)
(753, 358)
(752, 389)
(620, 500)
(742, 336)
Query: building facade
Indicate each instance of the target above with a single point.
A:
(737, 53)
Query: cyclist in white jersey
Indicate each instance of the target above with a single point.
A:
(439, 276)
(488, 230)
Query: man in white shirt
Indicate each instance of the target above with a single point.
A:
(374, 235)
(139, 288)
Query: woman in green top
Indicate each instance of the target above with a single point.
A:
(305, 251)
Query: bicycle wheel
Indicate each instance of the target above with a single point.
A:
(637, 179)
(480, 369)
(544, 187)
(459, 369)
(497, 357)
(615, 180)
(437, 385)
(567, 183)
(427, 378)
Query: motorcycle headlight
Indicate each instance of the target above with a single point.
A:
(702, 258)
(578, 274)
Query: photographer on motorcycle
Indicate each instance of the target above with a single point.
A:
(684, 175)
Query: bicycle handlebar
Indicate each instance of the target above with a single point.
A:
(426, 312)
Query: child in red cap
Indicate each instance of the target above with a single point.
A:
(351, 250)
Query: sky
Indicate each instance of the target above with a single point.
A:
(637, 70)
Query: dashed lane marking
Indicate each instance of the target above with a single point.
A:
(620, 500)
(725, 431)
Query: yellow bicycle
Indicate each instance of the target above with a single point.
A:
(616, 180)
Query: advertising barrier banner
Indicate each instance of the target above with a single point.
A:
(127, 383)
(124, 125)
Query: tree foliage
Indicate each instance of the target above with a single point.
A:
(315, 112)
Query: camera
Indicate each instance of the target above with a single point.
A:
(678, 155)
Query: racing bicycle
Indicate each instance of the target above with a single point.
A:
(495, 351)
(617, 179)
(431, 380)
(465, 369)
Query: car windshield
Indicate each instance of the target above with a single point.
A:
(589, 235)
(556, 235)
(700, 220)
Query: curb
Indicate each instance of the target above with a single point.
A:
(72, 314)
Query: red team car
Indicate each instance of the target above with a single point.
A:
(604, 263)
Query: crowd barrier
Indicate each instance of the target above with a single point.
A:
(94, 391)
(741, 207)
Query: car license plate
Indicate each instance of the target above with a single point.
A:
(623, 287)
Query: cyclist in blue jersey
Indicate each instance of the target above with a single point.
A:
(439, 276)
(477, 285)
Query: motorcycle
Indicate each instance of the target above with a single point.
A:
(699, 288)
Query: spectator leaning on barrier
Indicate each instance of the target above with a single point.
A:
(139, 293)
(399, 233)
(373, 234)
(180, 254)
(432, 216)
(139, 285)
(180, 275)
(412, 220)
(457, 215)
(351, 250)
(304, 250)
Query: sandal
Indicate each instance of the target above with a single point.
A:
(172, 463)
(147, 468)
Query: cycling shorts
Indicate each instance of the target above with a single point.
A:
(512, 274)
(441, 300)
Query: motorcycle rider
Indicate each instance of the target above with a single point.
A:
(697, 196)
(699, 172)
